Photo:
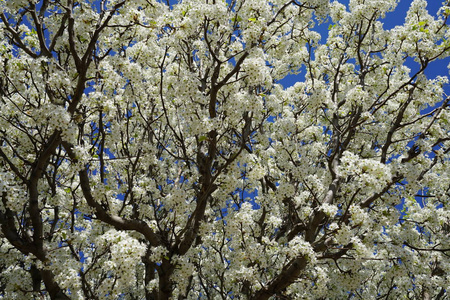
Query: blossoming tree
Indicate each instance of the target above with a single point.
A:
(149, 151)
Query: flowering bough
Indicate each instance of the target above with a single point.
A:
(149, 151)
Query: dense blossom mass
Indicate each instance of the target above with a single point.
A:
(149, 150)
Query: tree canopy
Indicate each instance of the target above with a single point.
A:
(149, 150)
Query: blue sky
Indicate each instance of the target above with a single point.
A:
(397, 17)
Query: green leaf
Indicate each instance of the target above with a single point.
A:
(202, 138)
(252, 19)
(238, 19)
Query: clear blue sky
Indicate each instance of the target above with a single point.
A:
(392, 19)
(397, 18)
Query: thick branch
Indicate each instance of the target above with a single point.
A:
(287, 276)
(116, 221)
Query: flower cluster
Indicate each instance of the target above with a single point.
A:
(155, 150)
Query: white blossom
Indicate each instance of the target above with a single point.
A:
(153, 149)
